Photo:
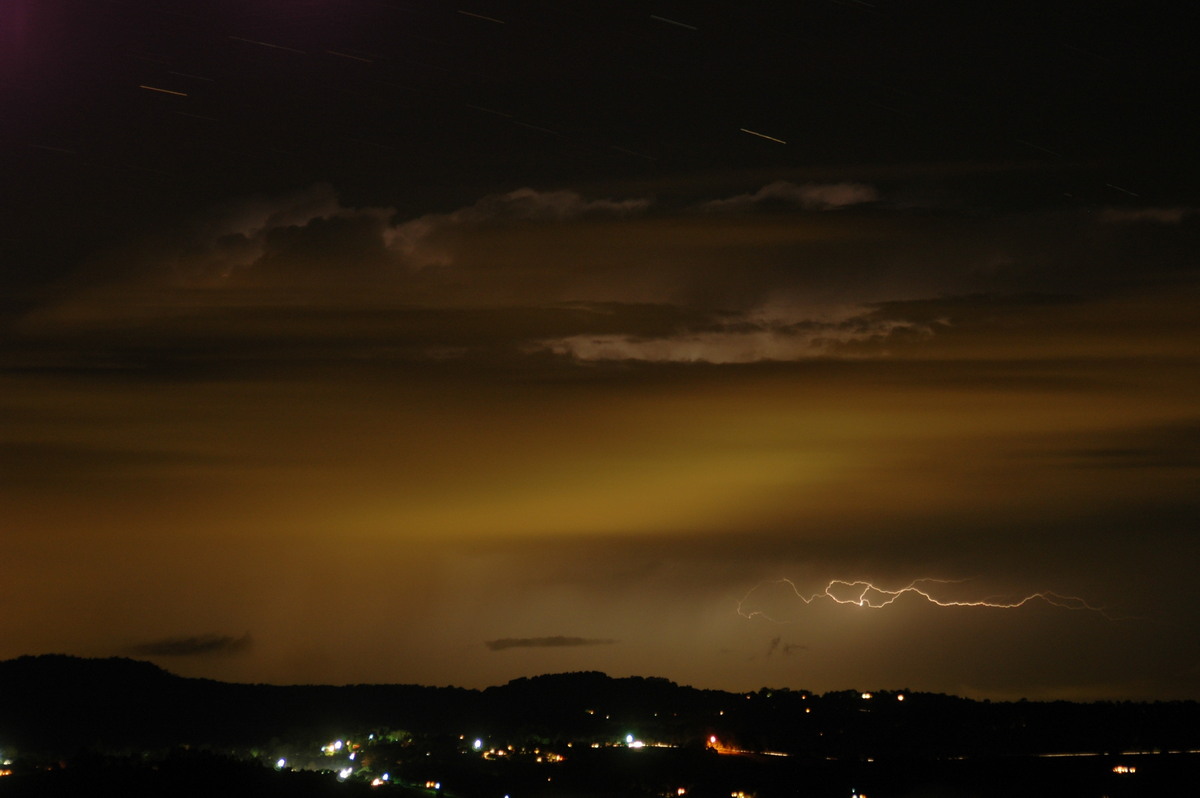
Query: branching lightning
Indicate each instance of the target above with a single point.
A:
(861, 593)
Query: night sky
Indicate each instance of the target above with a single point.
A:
(451, 342)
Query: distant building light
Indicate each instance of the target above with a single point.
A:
(900, 697)
(280, 763)
(1124, 769)
(344, 773)
(865, 697)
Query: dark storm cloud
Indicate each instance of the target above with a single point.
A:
(777, 646)
(198, 646)
(580, 278)
(556, 641)
(306, 276)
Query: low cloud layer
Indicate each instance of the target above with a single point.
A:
(197, 646)
(749, 339)
(555, 641)
(809, 196)
(1173, 215)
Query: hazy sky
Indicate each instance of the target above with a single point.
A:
(400, 341)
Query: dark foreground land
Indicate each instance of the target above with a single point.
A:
(76, 727)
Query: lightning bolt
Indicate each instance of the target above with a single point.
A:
(866, 594)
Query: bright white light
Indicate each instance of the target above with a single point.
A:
(344, 773)
(637, 744)
(352, 757)
(628, 739)
(385, 776)
(337, 746)
(866, 696)
(477, 745)
(280, 764)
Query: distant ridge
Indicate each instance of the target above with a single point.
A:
(59, 703)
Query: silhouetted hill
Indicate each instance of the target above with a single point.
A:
(61, 704)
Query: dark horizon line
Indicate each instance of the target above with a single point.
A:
(881, 693)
